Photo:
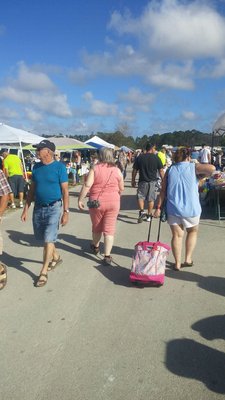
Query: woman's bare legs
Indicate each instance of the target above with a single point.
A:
(108, 244)
(190, 243)
(96, 236)
(176, 243)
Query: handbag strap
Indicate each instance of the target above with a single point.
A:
(104, 185)
(166, 176)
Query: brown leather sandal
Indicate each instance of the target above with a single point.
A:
(3, 275)
(54, 263)
(40, 281)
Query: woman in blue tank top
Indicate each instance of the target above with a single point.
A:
(180, 185)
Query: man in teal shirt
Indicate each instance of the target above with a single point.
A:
(49, 189)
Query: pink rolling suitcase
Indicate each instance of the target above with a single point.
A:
(149, 261)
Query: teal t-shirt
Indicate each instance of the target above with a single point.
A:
(48, 179)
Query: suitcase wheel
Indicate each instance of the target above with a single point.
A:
(138, 284)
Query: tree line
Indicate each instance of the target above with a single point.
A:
(188, 138)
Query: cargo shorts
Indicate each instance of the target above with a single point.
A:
(147, 191)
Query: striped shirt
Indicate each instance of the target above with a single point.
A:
(4, 186)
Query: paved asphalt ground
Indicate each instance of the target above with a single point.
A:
(90, 335)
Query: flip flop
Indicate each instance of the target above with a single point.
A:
(186, 264)
(176, 269)
(3, 276)
(41, 282)
(54, 263)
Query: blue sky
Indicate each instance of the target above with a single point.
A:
(144, 67)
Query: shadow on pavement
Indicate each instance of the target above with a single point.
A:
(116, 274)
(17, 263)
(23, 239)
(84, 245)
(189, 359)
(127, 219)
(128, 202)
(211, 328)
(192, 360)
(213, 284)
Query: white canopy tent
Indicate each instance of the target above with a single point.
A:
(97, 142)
(219, 126)
(66, 143)
(10, 135)
(218, 129)
(126, 149)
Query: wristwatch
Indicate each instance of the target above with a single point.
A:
(66, 211)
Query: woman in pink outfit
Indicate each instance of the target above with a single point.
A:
(105, 184)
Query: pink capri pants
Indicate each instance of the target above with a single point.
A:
(104, 218)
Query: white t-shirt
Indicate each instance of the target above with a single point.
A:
(204, 155)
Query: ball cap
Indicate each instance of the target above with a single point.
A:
(45, 144)
(4, 150)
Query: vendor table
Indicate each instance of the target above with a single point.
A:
(218, 193)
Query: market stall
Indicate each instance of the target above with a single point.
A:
(212, 191)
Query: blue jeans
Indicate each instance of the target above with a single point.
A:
(46, 222)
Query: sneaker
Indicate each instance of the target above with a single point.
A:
(148, 219)
(141, 216)
(21, 204)
(13, 205)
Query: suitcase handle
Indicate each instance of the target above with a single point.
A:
(152, 245)
(150, 226)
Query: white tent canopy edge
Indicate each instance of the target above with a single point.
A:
(10, 135)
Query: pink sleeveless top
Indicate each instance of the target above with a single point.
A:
(106, 180)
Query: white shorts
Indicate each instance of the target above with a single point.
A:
(186, 222)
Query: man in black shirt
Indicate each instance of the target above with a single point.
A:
(148, 165)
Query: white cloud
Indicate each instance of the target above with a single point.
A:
(127, 62)
(189, 115)
(122, 62)
(33, 115)
(172, 40)
(88, 96)
(127, 116)
(175, 29)
(30, 79)
(34, 88)
(79, 76)
(140, 100)
(98, 107)
(7, 113)
(173, 76)
(213, 70)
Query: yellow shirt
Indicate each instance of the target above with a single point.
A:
(13, 165)
(162, 157)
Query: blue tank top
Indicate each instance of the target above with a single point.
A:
(182, 191)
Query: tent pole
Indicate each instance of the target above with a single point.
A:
(212, 144)
(23, 161)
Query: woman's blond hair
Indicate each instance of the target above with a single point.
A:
(106, 156)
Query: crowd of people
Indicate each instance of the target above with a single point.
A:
(164, 179)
